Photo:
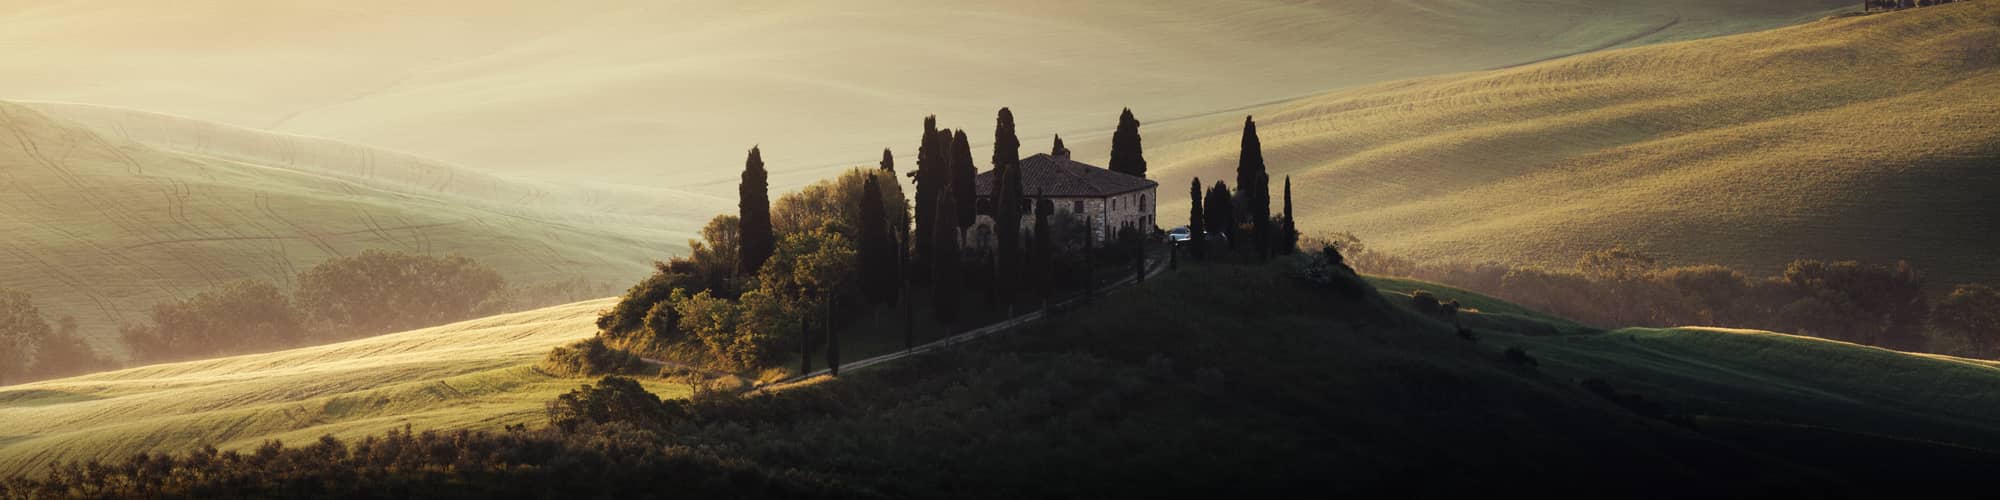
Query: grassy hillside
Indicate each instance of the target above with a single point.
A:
(471, 375)
(647, 89)
(1868, 137)
(113, 212)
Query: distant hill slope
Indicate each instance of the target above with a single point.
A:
(476, 374)
(643, 88)
(104, 220)
(1873, 137)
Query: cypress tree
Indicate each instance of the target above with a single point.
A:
(1044, 251)
(755, 241)
(1059, 151)
(832, 342)
(1253, 188)
(888, 162)
(877, 247)
(944, 265)
(931, 175)
(1291, 230)
(964, 190)
(1007, 222)
(805, 347)
(1127, 157)
(1220, 212)
(1006, 145)
(1197, 223)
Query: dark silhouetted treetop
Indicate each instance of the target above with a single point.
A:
(962, 173)
(1059, 151)
(754, 214)
(1127, 156)
(888, 162)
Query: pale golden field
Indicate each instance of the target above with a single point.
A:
(677, 91)
(472, 375)
(1868, 138)
(116, 211)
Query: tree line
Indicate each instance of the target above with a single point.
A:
(372, 293)
(1872, 304)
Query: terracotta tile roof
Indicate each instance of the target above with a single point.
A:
(1046, 175)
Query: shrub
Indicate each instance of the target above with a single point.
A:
(588, 357)
(1424, 302)
(612, 399)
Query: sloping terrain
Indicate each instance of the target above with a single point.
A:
(678, 90)
(476, 374)
(1869, 137)
(104, 221)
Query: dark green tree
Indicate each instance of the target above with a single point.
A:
(944, 265)
(1059, 151)
(963, 189)
(1127, 157)
(1290, 236)
(1220, 213)
(1197, 222)
(832, 341)
(1006, 145)
(754, 216)
(1253, 189)
(1043, 254)
(932, 175)
(888, 162)
(1007, 223)
(877, 248)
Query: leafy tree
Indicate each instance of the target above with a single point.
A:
(1970, 316)
(1127, 156)
(1253, 189)
(754, 212)
(1220, 212)
(963, 189)
(244, 316)
(381, 292)
(612, 399)
(64, 353)
(1197, 221)
(944, 265)
(21, 330)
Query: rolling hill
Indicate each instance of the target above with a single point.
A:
(1362, 395)
(643, 90)
(1869, 137)
(115, 211)
(476, 374)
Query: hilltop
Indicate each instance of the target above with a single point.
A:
(114, 211)
(1868, 137)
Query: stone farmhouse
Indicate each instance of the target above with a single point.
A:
(1107, 200)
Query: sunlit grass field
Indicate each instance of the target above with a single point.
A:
(476, 374)
(109, 212)
(1870, 137)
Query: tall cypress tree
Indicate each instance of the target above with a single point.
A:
(944, 265)
(877, 247)
(1059, 151)
(1220, 212)
(1253, 188)
(1291, 231)
(1197, 223)
(753, 206)
(888, 162)
(931, 176)
(1127, 157)
(963, 189)
(1044, 251)
(1007, 222)
(1006, 145)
